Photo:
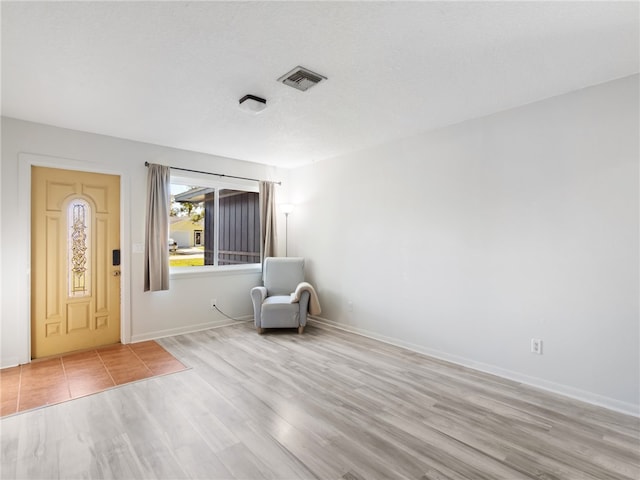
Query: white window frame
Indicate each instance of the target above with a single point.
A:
(217, 183)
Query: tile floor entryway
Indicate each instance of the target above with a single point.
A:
(54, 380)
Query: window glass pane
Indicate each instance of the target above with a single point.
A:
(79, 252)
(239, 234)
(201, 235)
(189, 206)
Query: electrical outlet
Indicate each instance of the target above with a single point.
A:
(350, 306)
(536, 346)
(213, 302)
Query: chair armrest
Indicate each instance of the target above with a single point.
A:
(304, 307)
(258, 294)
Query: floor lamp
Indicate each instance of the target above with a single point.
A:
(286, 208)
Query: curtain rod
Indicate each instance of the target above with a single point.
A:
(146, 164)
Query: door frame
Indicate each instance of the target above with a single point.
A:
(25, 162)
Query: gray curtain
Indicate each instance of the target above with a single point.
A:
(267, 220)
(156, 250)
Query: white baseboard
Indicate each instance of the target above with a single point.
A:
(170, 332)
(10, 362)
(564, 390)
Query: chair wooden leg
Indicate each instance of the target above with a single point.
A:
(300, 329)
(260, 330)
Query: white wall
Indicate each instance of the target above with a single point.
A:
(185, 307)
(468, 241)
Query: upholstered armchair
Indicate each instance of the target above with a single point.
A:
(274, 304)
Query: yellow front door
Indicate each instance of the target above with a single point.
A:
(75, 286)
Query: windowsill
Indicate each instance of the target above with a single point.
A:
(212, 271)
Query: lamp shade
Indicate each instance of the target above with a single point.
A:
(286, 208)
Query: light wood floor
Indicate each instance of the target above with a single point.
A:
(325, 404)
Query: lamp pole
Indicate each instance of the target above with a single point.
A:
(286, 234)
(286, 208)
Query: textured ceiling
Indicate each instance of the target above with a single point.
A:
(171, 73)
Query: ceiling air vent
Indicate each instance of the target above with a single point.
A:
(301, 78)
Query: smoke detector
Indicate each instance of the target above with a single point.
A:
(252, 104)
(301, 78)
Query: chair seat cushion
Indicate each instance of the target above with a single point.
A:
(279, 312)
(277, 300)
